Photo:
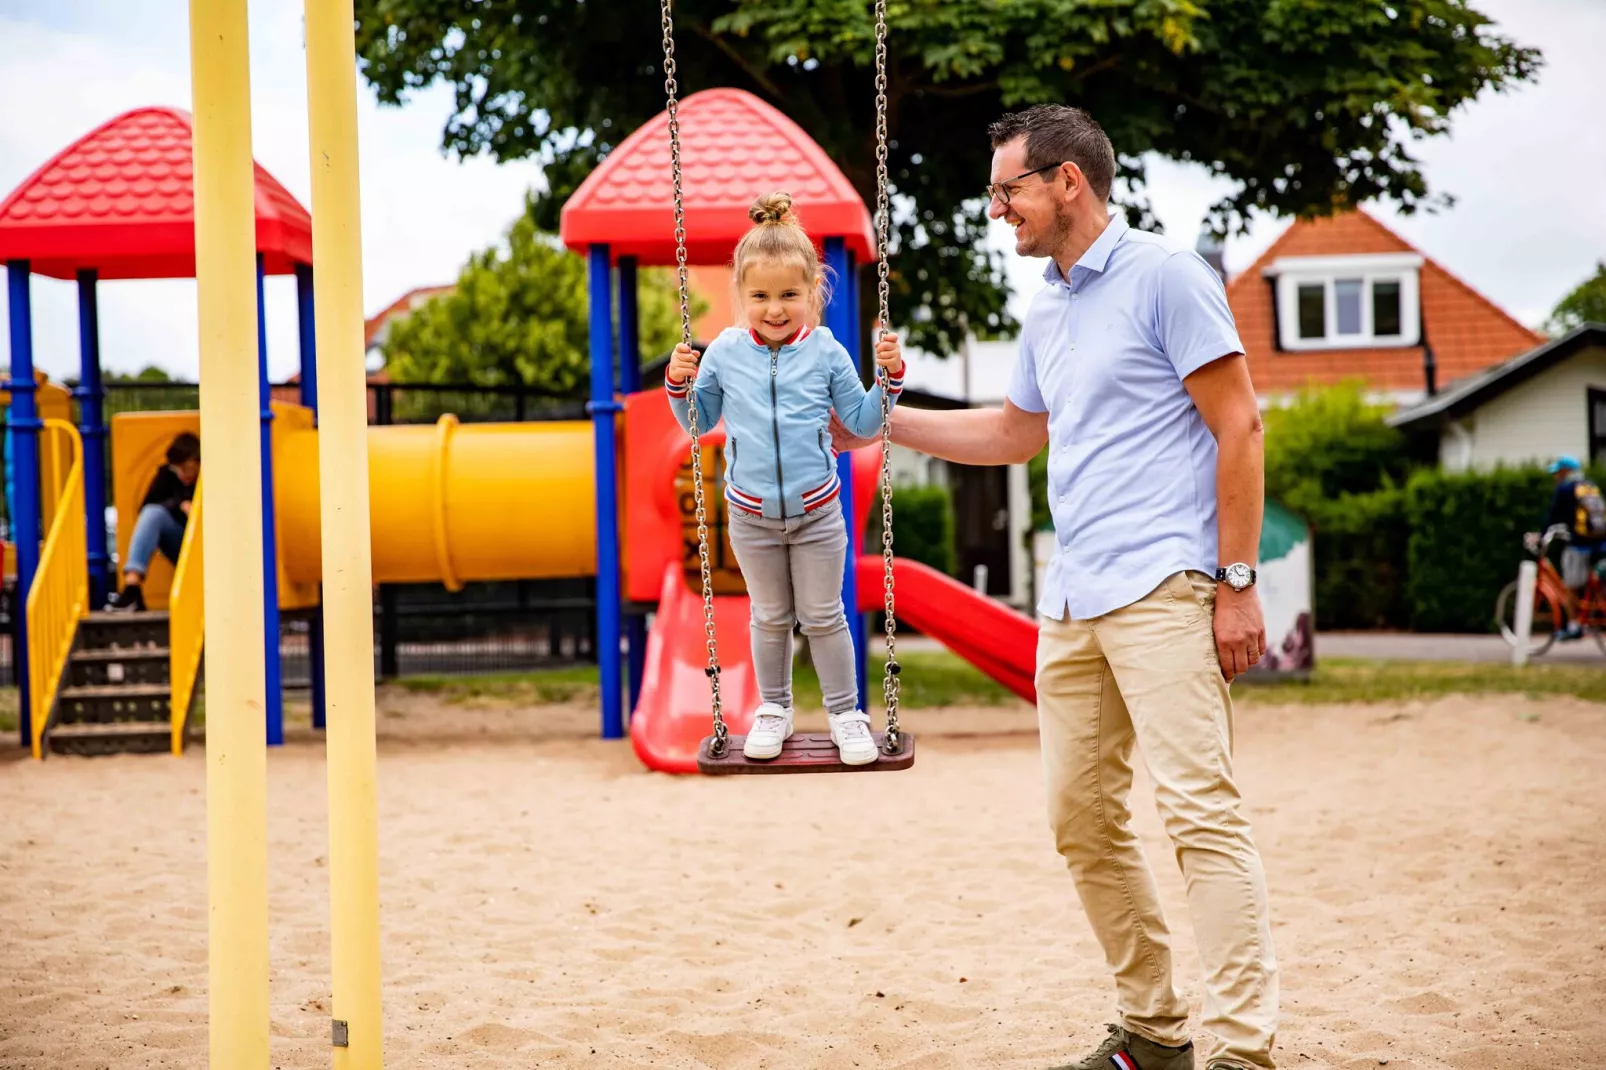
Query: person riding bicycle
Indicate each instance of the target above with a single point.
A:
(1578, 508)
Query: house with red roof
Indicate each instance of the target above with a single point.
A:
(1344, 297)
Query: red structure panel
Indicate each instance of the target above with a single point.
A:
(121, 200)
(734, 149)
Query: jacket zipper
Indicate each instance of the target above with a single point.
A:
(775, 424)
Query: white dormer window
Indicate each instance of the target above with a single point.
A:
(1348, 302)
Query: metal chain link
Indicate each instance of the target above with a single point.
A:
(671, 87)
(883, 223)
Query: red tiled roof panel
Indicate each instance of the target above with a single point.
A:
(121, 200)
(734, 149)
(1467, 331)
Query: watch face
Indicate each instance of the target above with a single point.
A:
(1238, 576)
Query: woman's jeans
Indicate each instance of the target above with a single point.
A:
(156, 529)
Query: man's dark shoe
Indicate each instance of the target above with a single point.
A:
(131, 599)
(1127, 1051)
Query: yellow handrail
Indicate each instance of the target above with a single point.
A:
(59, 596)
(186, 623)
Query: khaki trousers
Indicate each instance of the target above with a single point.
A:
(1148, 674)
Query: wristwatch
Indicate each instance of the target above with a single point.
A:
(1238, 576)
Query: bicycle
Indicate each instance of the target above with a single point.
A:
(1556, 607)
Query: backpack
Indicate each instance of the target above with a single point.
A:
(1589, 518)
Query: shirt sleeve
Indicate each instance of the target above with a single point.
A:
(1195, 323)
(710, 396)
(1023, 391)
(858, 408)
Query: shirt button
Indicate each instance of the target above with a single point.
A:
(1062, 499)
(1075, 296)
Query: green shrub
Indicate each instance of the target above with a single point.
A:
(1329, 443)
(922, 527)
(1466, 542)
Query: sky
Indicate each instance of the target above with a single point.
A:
(1526, 168)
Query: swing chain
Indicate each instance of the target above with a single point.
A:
(883, 222)
(671, 87)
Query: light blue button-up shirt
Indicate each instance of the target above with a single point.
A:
(1132, 466)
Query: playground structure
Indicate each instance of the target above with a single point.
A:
(273, 524)
(451, 503)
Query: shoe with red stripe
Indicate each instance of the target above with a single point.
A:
(1128, 1051)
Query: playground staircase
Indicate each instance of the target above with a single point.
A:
(115, 695)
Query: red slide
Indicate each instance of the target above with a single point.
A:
(673, 715)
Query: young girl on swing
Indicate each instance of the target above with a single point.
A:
(776, 383)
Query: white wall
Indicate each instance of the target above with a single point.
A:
(1531, 423)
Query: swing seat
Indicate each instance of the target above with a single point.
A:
(805, 752)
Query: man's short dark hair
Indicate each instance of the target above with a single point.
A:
(184, 447)
(1056, 133)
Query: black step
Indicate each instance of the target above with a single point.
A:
(113, 703)
(102, 668)
(122, 631)
(126, 737)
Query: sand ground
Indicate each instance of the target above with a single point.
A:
(1437, 874)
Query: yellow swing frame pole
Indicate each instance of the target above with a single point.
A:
(236, 748)
(347, 553)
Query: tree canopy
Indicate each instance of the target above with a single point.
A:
(1585, 304)
(518, 315)
(1309, 105)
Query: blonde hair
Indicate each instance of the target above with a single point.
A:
(778, 238)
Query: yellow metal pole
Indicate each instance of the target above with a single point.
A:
(347, 556)
(236, 749)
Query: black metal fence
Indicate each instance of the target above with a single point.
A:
(418, 628)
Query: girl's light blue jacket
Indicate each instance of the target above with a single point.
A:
(777, 408)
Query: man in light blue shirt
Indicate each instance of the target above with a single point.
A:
(1131, 372)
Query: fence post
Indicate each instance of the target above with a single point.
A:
(1527, 579)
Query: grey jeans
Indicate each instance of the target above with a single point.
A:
(793, 569)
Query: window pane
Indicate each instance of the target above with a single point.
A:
(1312, 310)
(1386, 308)
(1347, 296)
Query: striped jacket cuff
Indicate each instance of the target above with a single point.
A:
(677, 390)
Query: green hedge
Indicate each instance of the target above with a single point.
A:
(1360, 560)
(1466, 542)
(922, 526)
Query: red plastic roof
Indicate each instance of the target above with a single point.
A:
(734, 149)
(120, 200)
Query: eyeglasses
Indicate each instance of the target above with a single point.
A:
(1001, 190)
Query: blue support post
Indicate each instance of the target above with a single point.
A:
(91, 395)
(309, 397)
(24, 428)
(842, 318)
(603, 406)
(274, 698)
(630, 383)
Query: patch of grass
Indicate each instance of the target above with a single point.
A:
(929, 679)
(1338, 680)
(541, 687)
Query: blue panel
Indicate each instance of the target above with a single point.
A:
(274, 698)
(629, 328)
(309, 397)
(91, 395)
(603, 408)
(842, 317)
(23, 425)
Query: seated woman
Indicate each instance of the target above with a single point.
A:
(161, 521)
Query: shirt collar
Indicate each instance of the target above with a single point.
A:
(1097, 257)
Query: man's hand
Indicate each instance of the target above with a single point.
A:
(184, 507)
(1240, 630)
(845, 440)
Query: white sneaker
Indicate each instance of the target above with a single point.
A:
(772, 727)
(851, 734)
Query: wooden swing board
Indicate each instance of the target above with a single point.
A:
(805, 752)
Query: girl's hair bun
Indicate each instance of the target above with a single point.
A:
(774, 208)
